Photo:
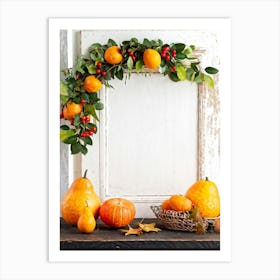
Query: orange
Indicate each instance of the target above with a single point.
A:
(205, 195)
(180, 203)
(92, 84)
(113, 55)
(71, 109)
(151, 59)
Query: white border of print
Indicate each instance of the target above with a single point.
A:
(221, 27)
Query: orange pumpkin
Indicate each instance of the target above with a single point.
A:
(117, 212)
(166, 205)
(78, 196)
(180, 203)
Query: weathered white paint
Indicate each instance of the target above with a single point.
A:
(156, 137)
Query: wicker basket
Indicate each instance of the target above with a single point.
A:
(177, 220)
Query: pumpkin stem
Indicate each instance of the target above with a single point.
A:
(206, 179)
(85, 174)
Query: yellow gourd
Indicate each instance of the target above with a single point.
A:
(73, 202)
(204, 194)
(86, 222)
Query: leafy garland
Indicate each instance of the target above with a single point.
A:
(178, 62)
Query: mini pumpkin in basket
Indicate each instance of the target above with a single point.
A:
(194, 212)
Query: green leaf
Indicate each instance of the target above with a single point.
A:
(139, 65)
(64, 134)
(193, 76)
(90, 125)
(211, 70)
(111, 43)
(63, 89)
(77, 119)
(192, 47)
(130, 63)
(179, 47)
(119, 74)
(64, 127)
(194, 67)
(199, 78)
(189, 73)
(94, 47)
(180, 56)
(71, 140)
(91, 69)
(84, 149)
(173, 76)
(181, 73)
(88, 140)
(99, 106)
(91, 109)
(81, 63)
(93, 97)
(76, 148)
(64, 99)
(85, 96)
(188, 51)
(147, 43)
(209, 81)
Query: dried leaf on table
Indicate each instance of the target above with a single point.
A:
(196, 217)
(131, 231)
(149, 227)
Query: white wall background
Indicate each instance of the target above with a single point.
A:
(24, 146)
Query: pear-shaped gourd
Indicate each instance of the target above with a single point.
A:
(73, 202)
(204, 194)
(86, 222)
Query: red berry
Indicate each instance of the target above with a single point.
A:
(83, 102)
(174, 51)
(87, 120)
(90, 133)
(98, 71)
(167, 58)
(99, 64)
(165, 49)
(134, 57)
(78, 76)
(72, 122)
(83, 118)
(163, 54)
(93, 129)
(174, 55)
(61, 116)
(174, 67)
(130, 54)
(103, 73)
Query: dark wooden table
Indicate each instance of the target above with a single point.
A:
(105, 238)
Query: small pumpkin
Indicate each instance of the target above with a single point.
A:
(217, 225)
(166, 205)
(73, 202)
(179, 202)
(117, 212)
(204, 194)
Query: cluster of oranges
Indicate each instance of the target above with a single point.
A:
(113, 56)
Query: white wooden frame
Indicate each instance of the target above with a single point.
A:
(208, 159)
